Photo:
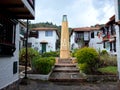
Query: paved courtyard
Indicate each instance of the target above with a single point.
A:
(45, 85)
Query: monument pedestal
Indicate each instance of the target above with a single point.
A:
(65, 61)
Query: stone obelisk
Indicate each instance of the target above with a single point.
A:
(64, 46)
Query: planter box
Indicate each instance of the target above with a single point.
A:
(39, 76)
(36, 76)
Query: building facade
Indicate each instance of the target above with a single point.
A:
(86, 36)
(43, 39)
(109, 36)
(10, 12)
(100, 37)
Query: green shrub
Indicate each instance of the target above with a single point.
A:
(83, 67)
(73, 52)
(43, 65)
(104, 52)
(88, 56)
(107, 60)
(52, 59)
(33, 60)
(31, 53)
(51, 54)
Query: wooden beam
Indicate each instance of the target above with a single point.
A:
(12, 6)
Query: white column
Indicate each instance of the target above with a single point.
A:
(117, 36)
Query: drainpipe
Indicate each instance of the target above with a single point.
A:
(26, 56)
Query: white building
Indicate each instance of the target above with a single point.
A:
(86, 36)
(10, 11)
(109, 36)
(43, 39)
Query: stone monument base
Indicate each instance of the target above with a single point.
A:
(65, 61)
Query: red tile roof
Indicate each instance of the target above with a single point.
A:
(111, 20)
(86, 29)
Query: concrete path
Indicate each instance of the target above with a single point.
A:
(45, 85)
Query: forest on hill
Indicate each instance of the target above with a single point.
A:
(46, 24)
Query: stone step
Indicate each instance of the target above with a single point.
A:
(65, 65)
(66, 72)
(65, 69)
(65, 76)
(67, 80)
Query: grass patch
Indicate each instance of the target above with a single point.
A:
(108, 70)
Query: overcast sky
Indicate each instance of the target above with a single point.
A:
(80, 13)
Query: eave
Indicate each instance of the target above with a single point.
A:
(17, 9)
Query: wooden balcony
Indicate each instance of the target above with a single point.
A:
(18, 9)
(33, 34)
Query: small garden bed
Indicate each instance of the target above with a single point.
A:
(97, 66)
(108, 73)
(35, 75)
(109, 70)
(41, 65)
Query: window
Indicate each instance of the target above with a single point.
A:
(15, 64)
(92, 34)
(22, 31)
(104, 45)
(103, 31)
(110, 46)
(34, 34)
(48, 33)
(7, 36)
(113, 30)
(29, 44)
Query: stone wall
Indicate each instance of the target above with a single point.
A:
(101, 78)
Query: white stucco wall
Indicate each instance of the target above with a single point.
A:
(72, 37)
(95, 42)
(6, 65)
(50, 46)
(118, 48)
(72, 41)
(117, 37)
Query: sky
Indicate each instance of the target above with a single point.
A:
(80, 13)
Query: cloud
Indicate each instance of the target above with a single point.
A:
(105, 9)
(84, 13)
(80, 12)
